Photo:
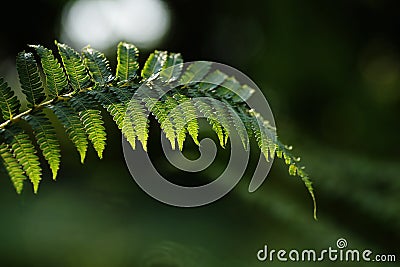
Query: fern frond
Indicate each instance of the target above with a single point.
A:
(25, 153)
(80, 85)
(98, 65)
(91, 120)
(172, 68)
(127, 57)
(9, 102)
(159, 110)
(56, 81)
(154, 64)
(14, 170)
(73, 127)
(195, 72)
(29, 78)
(73, 64)
(46, 138)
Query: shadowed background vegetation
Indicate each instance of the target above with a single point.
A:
(331, 73)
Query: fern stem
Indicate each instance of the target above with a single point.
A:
(35, 108)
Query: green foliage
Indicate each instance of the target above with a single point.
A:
(46, 138)
(25, 153)
(73, 126)
(98, 65)
(172, 69)
(221, 99)
(9, 103)
(29, 78)
(74, 67)
(56, 81)
(14, 170)
(195, 72)
(91, 119)
(154, 63)
(127, 59)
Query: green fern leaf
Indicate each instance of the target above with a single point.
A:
(243, 93)
(283, 151)
(240, 127)
(220, 99)
(9, 103)
(154, 64)
(12, 167)
(227, 88)
(73, 127)
(265, 135)
(222, 118)
(172, 68)
(76, 70)
(136, 117)
(127, 57)
(308, 184)
(137, 121)
(207, 111)
(56, 81)
(195, 72)
(98, 65)
(47, 140)
(246, 119)
(189, 113)
(176, 115)
(92, 121)
(231, 90)
(212, 80)
(118, 112)
(159, 110)
(25, 152)
(29, 78)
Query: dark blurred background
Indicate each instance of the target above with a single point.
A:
(331, 73)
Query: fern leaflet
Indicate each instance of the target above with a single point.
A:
(73, 127)
(13, 168)
(25, 153)
(30, 79)
(9, 103)
(56, 81)
(154, 64)
(98, 65)
(92, 121)
(127, 57)
(46, 138)
(76, 70)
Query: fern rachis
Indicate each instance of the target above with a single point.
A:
(83, 84)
